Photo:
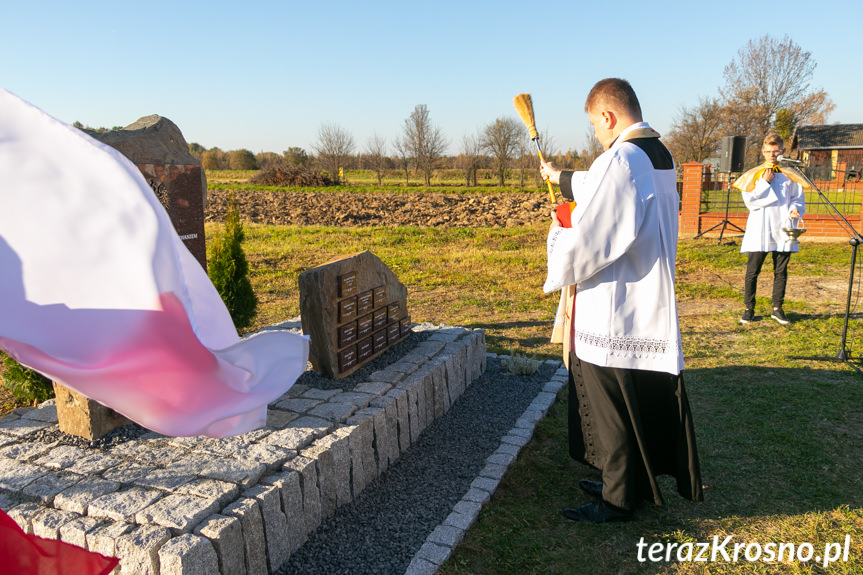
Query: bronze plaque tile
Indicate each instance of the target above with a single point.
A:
(405, 325)
(365, 348)
(348, 285)
(394, 333)
(394, 311)
(380, 318)
(347, 358)
(380, 296)
(347, 309)
(365, 302)
(379, 340)
(347, 334)
(365, 326)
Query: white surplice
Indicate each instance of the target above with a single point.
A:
(621, 253)
(770, 204)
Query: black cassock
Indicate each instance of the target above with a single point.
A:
(632, 425)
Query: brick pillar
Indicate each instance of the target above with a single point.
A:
(690, 198)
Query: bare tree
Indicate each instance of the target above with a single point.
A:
(334, 147)
(425, 141)
(501, 140)
(402, 149)
(696, 132)
(470, 157)
(766, 76)
(376, 153)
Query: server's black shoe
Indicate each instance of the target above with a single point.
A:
(597, 511)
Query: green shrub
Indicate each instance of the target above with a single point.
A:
(229, 270)
(520, 364)
(25, 384)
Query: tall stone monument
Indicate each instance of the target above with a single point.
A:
(157, 147)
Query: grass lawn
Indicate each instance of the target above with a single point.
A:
(780, 439)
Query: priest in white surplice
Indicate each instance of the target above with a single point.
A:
(629, 415)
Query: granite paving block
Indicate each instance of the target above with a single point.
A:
(23, 451)
(254, 545)
(522, 432)
(515, 439)
(446, 535)
(221, 491)
(187, 443)
(277, 419)
(178, 512)
(163, 479)
(291, 438)
(400, 398)
(485, 483)
(190, 464)
(222, 447)
(93, 464)
(23, 515)
(339, 441)
(477, 496)
(226, 535)
(7, 440)
(320, 427)
(375, 388)
(138, 550)
(322, 394)
(364, 468)
(434, 553)
(459, 521)
(243, 473)
(127, 473)
(21, 427)
(554, 387)
(355, 398)
(501, 458)
(288, 483)
(75, 531)
(103, 539)
(390, 376)
(413, 413)
(269, 500)
(308, 473)
(61, 457)
(47, 413)
(429, 348)
(188, 554)
(48, 523)
(333, 411)
(385, 414)
(122, 505)
(77, 497)
(159, 457)
(46, 488)
(298, 404)
(420, 566)
(272, 456)
(15, 475)
(440, 390)
(8, 501)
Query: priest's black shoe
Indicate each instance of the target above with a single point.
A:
(597, 511)
(592, 488)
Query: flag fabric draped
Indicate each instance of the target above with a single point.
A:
(98, 292)
(25, 554)
(746, 181)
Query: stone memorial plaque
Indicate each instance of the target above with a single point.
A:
(365, 349)
(405, 325)
(347, 358)
(347, 334)
(347, 309)
(365, 302)
(394, 333)
(394, 311)
(344, 308)
(380, 296)
(379, 340)
(379, 318)
(348, 285)
(365, 326)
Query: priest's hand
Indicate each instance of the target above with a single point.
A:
(549, 172)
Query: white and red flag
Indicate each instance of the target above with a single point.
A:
(98, 292)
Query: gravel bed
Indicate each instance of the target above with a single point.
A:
(382, 530)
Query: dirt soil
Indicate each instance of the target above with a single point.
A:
(475, 210)
(382, 209)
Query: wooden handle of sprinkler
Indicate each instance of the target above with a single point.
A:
(547, 181)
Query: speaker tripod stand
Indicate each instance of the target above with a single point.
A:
(725, 222)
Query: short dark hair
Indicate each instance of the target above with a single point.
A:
(615, 93)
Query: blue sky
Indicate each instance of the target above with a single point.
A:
(266, 75)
